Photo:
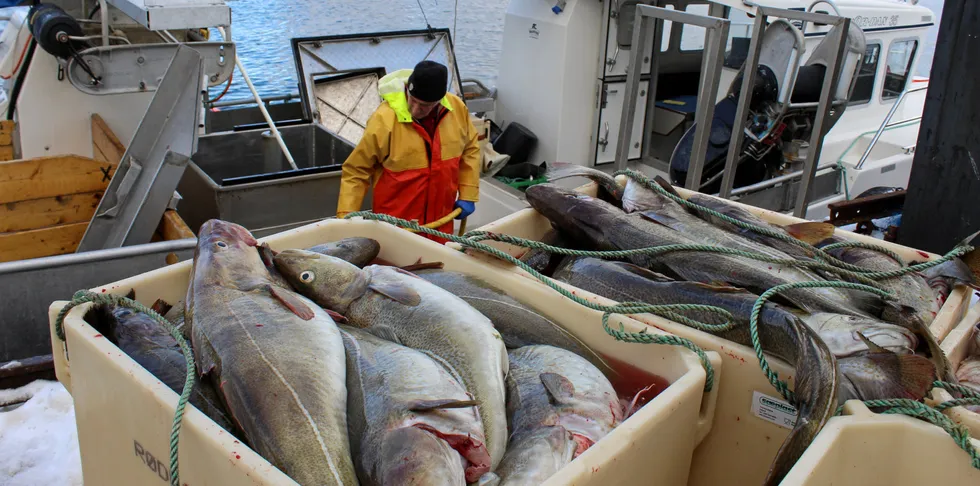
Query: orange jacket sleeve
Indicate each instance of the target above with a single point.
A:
(360, 167)
(469, 164)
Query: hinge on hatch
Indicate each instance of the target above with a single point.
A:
(605, 94)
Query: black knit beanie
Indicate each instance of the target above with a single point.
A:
(428, 81)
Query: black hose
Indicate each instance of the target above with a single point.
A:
(19, 82)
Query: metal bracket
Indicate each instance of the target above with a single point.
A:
(145, 180)
(140, 68)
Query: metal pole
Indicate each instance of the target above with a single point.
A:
(261, 105)
(750, 66)
(640, 25)
(823, 116)
(651, 110)
(714, 55)
(104, 11)
(884, 125)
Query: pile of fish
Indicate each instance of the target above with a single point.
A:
(339, 371)
(844, 344)
(968, 373)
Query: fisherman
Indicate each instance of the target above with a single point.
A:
(419, 148)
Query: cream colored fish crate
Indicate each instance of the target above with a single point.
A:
(742, 442)
(958, 345)
(862, 448)
(124, 414)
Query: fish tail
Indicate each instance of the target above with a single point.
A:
(560, 170)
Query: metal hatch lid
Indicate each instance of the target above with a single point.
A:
(316, 57)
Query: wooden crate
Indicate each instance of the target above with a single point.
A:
(46, 203)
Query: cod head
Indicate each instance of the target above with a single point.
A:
(329, 281)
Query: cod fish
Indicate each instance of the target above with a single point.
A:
(558, 406)
(518, 325)
(278, 359)
(403, 308)
(634, 197)
(357, 250)
(782, 334)
(878, 373)
(843, 334)
(543, 261)
(915, 305)
(607, 228)
(410, 421)
(149, 344)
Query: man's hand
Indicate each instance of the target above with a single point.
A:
(467, 206)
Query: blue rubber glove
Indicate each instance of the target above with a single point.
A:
(467, 206)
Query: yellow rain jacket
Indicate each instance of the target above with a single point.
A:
(415, 177)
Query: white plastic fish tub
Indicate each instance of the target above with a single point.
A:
(862, 448)
(957, 346)
(124, 414)
(742, 443)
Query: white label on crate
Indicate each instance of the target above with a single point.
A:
(773, 410)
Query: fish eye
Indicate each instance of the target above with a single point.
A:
(307, 276)
(222, 244)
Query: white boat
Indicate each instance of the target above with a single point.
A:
(563, 75)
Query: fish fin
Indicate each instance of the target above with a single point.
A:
(402, 294)
(291, 301)
(488, 479)
(667, 186)
(661, 219)
(386, 333)
(336, 316)
(874, 348)
(425, 405)
(915, 373)
(811, 232)
(643, 272)
(557, 386)
(720, 288)
(423, 266)
(161, 307)
(131, 295)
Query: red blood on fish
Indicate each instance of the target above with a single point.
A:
(583, 444)
(475, 452)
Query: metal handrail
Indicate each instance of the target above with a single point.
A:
(884, 124)
(249, 101)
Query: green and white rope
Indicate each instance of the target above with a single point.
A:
(84, 297)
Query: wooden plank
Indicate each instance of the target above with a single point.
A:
(17, 373)
(55, 240)
(866, 208)
(173, 227)
(23, 180)
(105, 143)
(48, 211)
(6, 138)
(6, 153)
(944, 187)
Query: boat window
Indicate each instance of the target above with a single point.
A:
(898, 66)
(665, 42)
(864, 85)
(692, 36)
(739, 36)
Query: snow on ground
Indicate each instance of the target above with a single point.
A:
(38, 440)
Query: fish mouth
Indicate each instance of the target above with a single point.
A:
(216, 229)
(469, 448)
